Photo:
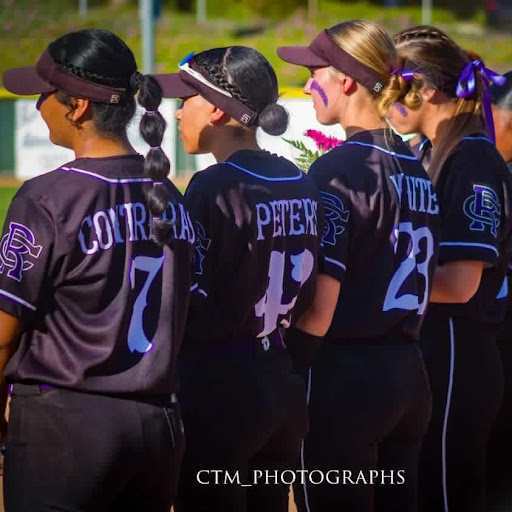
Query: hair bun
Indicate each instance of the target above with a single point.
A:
(273, 119)
(136, 80)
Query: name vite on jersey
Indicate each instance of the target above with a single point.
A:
(420, 193)
(129, 222)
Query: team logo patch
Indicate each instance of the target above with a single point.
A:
(201, 247)
(246, 119)
(17, 249)
(378, 87)
(336, 218)
(483, 208)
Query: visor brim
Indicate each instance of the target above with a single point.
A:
(301, 56)
(174, 87)
(25, 81)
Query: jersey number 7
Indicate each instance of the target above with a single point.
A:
(137, 340)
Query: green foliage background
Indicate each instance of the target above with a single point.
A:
(27, 26)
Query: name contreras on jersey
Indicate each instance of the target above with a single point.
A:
(129, 222)
(420, 193)
(286, 217)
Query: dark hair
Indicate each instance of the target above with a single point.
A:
(156, 166)
(502, 96)
(248, 77)
(437, 62)
(102, 57)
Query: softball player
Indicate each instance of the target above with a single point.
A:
(369, 400)
(256, 255)
(421, 148)
(499, 453)
(93, 423)
(469, 291)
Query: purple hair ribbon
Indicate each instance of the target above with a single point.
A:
(407, 74)
(467, 86)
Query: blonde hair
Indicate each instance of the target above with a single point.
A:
(368, 43)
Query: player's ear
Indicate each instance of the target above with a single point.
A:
(80, 108)
(347, 83)
(217, 115)
(427, 94)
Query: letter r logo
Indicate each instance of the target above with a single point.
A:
(17, 248)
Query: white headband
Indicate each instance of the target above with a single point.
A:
(185, 67)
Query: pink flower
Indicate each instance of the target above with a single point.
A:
(323, 142)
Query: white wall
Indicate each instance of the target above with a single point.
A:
(34, 153)
(302, 118)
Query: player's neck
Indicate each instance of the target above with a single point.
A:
(436, 122)
(92, 145)
(225, 145)
(358, 116)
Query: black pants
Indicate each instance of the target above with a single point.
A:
(242, 415)
(74, 452)
(499, 450)
(369, 408)
(466, 379)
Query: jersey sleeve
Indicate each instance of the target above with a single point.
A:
(471, 211)
(335, 221)
(26, 245)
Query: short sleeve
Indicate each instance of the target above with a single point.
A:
(26, 245)
(336, 205)
(471, 210)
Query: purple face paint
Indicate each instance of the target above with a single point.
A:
(315, 86)
(401, 109)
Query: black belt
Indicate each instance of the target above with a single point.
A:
(24, 389)
(388, 339)
(250, 346)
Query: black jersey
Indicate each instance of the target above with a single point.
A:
(257, 246)
(381, 235)
(103, 306)
(475, 194)
(422, 151)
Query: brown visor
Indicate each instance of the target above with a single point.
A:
(189, 82)
(46, 76)
(323, 52)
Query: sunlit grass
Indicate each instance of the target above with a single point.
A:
(6, 194)
(28, 26)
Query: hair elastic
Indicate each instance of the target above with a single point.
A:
(406, 74)
(158, 182)
(151, 112)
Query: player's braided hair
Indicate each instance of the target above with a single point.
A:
(156, 166)
(437, 62)
(248, 77)
(102, 57)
